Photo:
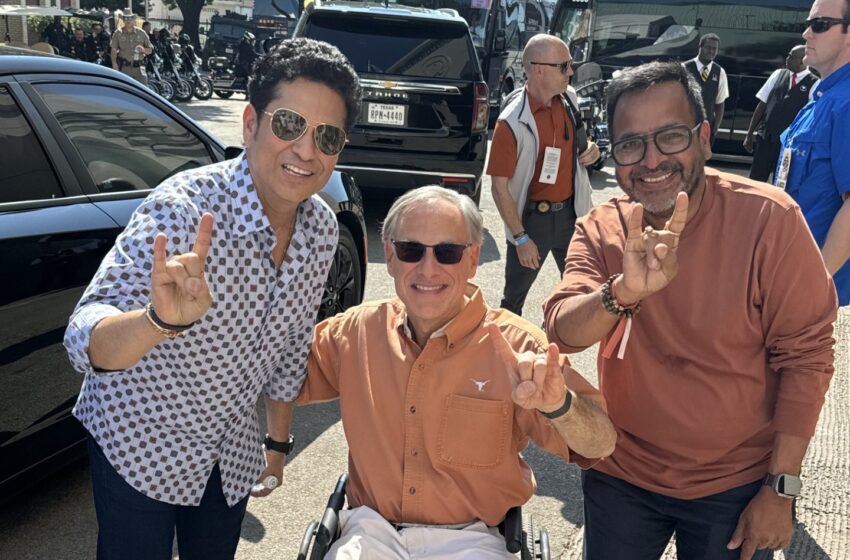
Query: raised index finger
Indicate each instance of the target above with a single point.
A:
(680, 214)
(202, 242)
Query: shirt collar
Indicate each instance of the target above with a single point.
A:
(700, 65)
(461, 325)
(837, 77)
(803, 73)
(248, 215)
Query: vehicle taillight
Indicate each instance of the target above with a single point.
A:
(480, 107)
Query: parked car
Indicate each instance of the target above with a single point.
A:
(80, 147)
(425, 106)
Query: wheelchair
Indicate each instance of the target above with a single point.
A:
(518, 530)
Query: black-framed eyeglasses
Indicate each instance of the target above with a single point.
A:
(562, 66)
(669, 141)
(445, 253)
(823, 24)
(289, 125)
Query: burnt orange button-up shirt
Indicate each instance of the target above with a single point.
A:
(433, 434)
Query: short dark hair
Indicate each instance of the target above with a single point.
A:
(307, 59)
(640, 78)
(710, 37)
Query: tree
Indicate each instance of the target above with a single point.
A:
(191, 10)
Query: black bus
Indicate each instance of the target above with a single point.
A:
(755, 36)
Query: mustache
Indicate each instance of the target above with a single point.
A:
(665, 167)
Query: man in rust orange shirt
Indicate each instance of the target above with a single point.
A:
(536, 157)
(714, 310)
(439, 394)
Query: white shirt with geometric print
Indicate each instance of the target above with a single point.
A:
(190, 402)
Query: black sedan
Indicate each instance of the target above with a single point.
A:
(80, 147)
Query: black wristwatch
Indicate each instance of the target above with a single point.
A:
(284, 447)
(786, 485)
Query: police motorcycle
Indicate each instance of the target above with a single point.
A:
(202, 86)
(156, 82)
(590, 89)
(170, 69)
(231, 76)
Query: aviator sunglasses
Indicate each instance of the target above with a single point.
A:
(562, 66)
(289, 126)
(823, 24)
(413, 251)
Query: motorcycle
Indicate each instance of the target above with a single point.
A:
(170, 71)
(156, 82)
(224, 79)
(202, 86)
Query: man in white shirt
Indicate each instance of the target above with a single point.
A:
(711, 78)
(781, 97)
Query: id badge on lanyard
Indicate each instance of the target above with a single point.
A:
(784, 168)
(551, 161)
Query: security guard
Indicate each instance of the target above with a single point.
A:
(129, 48)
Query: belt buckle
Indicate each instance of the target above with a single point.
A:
(543, 206)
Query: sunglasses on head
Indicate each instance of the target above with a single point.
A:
(562, 66)
(823, 24)
(289, 126)
(413, 251)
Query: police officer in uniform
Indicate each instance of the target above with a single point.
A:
(98, 45)
(712, 80)
(780, 99)
(129, 48)
(77, 48)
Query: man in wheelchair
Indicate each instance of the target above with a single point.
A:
(439, 395)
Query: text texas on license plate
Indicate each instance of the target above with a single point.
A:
(383, 113)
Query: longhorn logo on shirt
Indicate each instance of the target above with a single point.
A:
(480, 384)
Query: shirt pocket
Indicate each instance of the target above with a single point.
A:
(474, 432)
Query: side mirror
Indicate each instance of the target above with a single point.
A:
(500, 40)
(202, 31)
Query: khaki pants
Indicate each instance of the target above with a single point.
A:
(136, 72)
(367, 535)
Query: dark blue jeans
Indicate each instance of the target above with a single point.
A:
(625, 522)
(132, 526)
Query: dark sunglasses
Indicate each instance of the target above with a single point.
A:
(289, 126)
(560, 65)
(413, 251)
(823, 24)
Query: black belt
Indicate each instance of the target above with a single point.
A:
(133, 63)
(544, 206)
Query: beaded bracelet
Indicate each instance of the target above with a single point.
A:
(610, 303)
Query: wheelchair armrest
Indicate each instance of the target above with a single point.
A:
(512, 529)
(328, 529)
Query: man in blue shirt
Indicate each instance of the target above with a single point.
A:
(814, 165)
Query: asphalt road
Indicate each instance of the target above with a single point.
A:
(56, 519)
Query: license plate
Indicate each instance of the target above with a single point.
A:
(382, 113)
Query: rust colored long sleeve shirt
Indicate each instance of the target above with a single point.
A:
(736, 348)
(433, 434)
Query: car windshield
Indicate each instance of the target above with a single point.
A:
(398, 47)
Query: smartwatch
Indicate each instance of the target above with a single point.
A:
(786, 485)
(284, 447)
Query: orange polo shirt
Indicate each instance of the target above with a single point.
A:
(736, 348)
(433, 434)
(553, 125)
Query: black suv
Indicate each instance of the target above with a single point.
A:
(80, 146)
(425, 112)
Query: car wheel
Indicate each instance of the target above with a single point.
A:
(203, 89)
(344, 287)
(223, 94)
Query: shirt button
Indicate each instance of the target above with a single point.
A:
(451, 346)
(412, 490)
(414, 452)
(413, 410)
(820, 93)
(421, 366)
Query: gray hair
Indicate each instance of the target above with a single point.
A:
(433, 193)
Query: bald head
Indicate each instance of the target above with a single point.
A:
(794, 60)
(540, 47)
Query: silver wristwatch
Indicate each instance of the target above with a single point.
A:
(786, 485)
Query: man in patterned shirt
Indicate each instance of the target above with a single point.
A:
(207, 301)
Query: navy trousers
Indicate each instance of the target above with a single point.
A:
(132, 526)
(625, 522)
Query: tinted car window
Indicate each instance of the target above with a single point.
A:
(25, 173)
(126, 142)
(398, 47)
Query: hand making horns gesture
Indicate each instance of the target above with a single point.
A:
(179, 290)
(536, 378)
(650, 261)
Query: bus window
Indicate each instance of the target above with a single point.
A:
(573, 27)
